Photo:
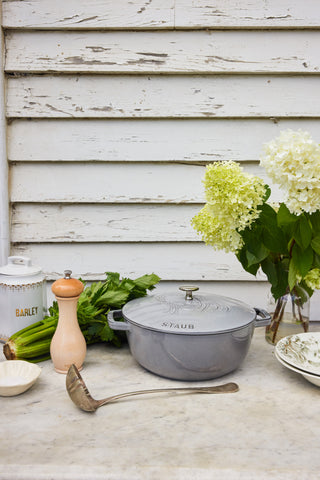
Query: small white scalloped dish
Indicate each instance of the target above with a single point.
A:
(17, 376)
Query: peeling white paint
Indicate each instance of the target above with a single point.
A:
(4, 196)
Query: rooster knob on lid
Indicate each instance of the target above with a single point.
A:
(68, 345)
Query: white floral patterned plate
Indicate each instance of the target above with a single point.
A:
(315, 379)
(301, 351)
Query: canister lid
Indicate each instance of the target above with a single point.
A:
(191, 314)
(19, 267)
(67, 287)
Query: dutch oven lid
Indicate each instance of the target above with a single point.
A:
(19, 267)
(192, 314)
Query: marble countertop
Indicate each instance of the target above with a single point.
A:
(269, 429)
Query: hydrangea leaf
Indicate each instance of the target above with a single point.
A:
(274, 240)
(285, 217)
(315, 221)
(302, 232)
(256, 253)
(315, 244)
(243, 259)
(302, 259)
(280, 287)
(293, 274)
(268, 267)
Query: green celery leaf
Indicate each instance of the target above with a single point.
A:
(127, 284)
(113, 277)
(147, 282)
(142, 284)
(54, 309)
(95, 291)
(106, 334)
(114, 298)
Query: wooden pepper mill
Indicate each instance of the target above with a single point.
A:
(68, 345)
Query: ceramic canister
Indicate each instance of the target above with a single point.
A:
(22, 295)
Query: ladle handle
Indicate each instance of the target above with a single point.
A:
(225, 388)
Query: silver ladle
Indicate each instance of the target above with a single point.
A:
(81, 397)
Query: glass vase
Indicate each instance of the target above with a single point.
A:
(289, 315)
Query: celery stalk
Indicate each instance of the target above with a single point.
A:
(14, 351)
(31, 342)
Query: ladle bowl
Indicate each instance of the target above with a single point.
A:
(81, 397)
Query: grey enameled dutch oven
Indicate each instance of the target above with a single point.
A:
(188, 337)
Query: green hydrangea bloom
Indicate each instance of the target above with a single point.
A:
(216, 232)
(233, 197)
(312, 279)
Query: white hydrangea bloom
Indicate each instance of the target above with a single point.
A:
(293, 161)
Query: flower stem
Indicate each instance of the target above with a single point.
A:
(277, 318)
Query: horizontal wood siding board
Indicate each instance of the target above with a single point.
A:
(171, 261)
(124, 14)
(252, 14)
(164, 52)
(103, 223)
(95, 14)
(105, 182)
(162, 96)
(142, 140)
(127, 183)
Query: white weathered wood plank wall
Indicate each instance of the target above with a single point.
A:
(115, 108)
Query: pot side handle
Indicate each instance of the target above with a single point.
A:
(114, 324)
(263, 318)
